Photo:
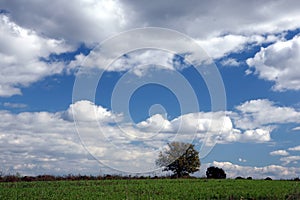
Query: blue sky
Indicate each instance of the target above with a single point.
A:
(56, 118)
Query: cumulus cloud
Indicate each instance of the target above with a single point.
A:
(279, 63)
(217, 127)
(87, 111)
(221, 46)
(290, 159)
(155, 123)
(218, 27)
(41, 34)
(286, 157)
(86, 21)
(145, 57)
(279, 153)
(296, 128)
(230, 62)
(263, 112)
(218, 47)
(258, 134)
(14, 105)
(199, 19)
(21, 51)
(36, 143)
(138, 62)
(296, 148)
(213, 18)
(43, 140)
(273, 171)
(140, 49)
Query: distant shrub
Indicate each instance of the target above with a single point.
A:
(268, 179)
(249, 178)
(239, 178)
(297, 179)
(10, 178)
(45, 178)
(215, 172)
(28, 178)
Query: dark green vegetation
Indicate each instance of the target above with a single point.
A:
(215, 172)
(152, 189)
(180, 158)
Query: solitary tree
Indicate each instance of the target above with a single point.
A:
(215, 172)
(180, 158)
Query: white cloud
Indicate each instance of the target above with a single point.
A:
(273, 171)
(259, 135)
(297, 148)
(219, 27)
(21, 51)
(262, 112)
(221, 46)
(141, 61)
(87, 111)
(279, 63)
(155, 123)
(218, 127)
(214, 18)
(290, 159)
(218, 47)
(279, 153)
(143, 49)
(106, 56)
(82, 21)
(199, 19)
(42, 140)
(215, 125)
(14, 105)
(242, 160)
(38, 143)
(296, 128)
(230, 62)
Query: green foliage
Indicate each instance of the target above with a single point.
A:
(180, 158)
(215, 172)
(152, 189)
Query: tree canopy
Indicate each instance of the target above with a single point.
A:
(215, 172)
(180, 158)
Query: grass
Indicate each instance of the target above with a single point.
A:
(152, 189)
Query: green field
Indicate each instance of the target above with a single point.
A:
(152, 189)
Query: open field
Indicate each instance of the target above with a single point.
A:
(152, 189)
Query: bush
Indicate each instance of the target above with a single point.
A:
(45, 178)
(28, 178)
(215, 172)
(10, 178)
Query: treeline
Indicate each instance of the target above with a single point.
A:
(70, 177)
